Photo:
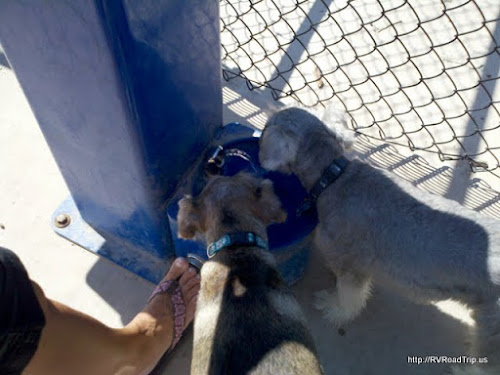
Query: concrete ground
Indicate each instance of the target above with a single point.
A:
(390, 330)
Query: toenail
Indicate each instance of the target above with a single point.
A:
(178, 262)
(198, 277)
(191, 270)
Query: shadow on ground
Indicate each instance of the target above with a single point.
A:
(3, 60)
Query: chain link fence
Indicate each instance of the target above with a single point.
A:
(416, 73)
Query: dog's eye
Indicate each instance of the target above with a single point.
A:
(258, 192)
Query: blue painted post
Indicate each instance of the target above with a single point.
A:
(128, 95)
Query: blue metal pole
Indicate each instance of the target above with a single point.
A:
(128, 95)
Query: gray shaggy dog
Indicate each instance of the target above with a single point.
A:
(373, 225)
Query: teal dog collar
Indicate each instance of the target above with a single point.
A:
(239, 238)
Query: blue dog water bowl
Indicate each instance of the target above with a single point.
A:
(287, 241)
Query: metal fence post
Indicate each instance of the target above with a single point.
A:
(128, 95)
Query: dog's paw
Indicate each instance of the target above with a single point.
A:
(335, 310)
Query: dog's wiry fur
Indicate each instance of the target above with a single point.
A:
(372, 224)
(247, 321)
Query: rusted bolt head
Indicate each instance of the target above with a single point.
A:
(62, 220)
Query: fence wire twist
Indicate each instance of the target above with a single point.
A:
(416, 73)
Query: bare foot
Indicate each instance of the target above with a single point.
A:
(156, 321)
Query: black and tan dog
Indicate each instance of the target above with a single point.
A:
(247, 320)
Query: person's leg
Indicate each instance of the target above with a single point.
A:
(74, 343)
(21, 318)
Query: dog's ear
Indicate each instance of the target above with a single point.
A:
(336, 123)
(278, 148)
(188, 219)
(268, 207)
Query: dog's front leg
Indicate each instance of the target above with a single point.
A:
(344, 302)
(213, 280)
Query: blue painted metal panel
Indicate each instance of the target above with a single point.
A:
(128, 96)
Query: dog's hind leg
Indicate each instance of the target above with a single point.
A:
(485, 349)
(346, 300)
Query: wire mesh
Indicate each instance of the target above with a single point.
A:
(416, 73)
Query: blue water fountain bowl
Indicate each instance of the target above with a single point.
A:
(236, 149)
